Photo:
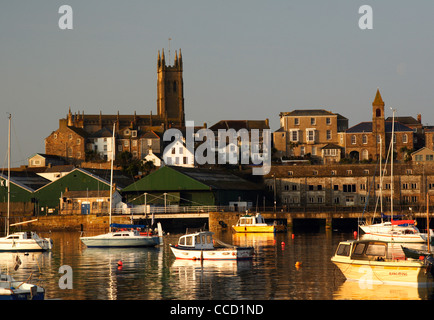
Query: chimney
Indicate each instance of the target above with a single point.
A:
(419, 118)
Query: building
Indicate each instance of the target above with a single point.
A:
(423, 155)
(45, 160)
(307, 132)
(180, 186)
(177, 154)
(364, 140)
(82, 137)
(332, 187)
(247, 142)
(88, 202)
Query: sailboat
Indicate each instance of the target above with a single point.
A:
(122, 238)
(20, 241)
(393, 230)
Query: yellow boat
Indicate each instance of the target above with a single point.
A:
(371, 262)
(249, 223)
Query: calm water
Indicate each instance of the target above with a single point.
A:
(154, 273)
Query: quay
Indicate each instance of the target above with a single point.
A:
(217, 220)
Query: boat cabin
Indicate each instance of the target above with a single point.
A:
(200, 240)
(363, 250)
(22, 235)
(251, 220)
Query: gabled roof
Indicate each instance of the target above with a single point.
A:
(103, 133)
(240, 124)
(27, 180)
(173, 178)
(423, 149)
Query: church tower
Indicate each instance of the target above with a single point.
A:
(170, 91)
(378, 125)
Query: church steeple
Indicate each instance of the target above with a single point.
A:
(378, 123)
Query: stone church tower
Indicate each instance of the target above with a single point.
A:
(170, 91)
(378, 124)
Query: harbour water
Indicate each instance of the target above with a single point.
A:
(289, 266)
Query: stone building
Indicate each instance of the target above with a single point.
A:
(305, 132)
(354, 185)
(79, 134)
(364, 140)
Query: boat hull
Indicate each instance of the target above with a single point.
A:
(262, 229)
(25, 245)
(400, 272)
(101, 242)
(213, 254)
(394, 238)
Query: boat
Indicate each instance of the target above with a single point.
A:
(121, 238)
(201, 246)
(127, 236)
(20, 241)
(11, 289)
(25, 241)
(374, 262)
(256, 223)
(404, 231)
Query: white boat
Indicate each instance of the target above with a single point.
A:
(11, 289)
(200, 246)
(20, 241)
(123, 238)
(403, 231)
(373, 262)
(25, 241)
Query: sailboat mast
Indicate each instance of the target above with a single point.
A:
(391, 167)
(428, 236)
(381, 178)
(9, 175)
(111, 178)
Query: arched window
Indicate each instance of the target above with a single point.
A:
(353, 139)
(365, 139)
(378, 112)
(365, 154)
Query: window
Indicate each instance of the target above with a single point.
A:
(364, 139)
(336, 187)
(173, 151)
(333, 173)
(365, 154)
(293, 135)
(313, 121)
(349, 187)
(404, 138)
(302, 151)
(296, 121)
(328, 121)
(429, 157)
(134, 133)
(185, 160)
(310, 135)
(314, 151)
(353, 139)
(329, 134)
(290, 173)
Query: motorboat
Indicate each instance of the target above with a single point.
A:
(11, 289)
(202, 246)
(375, 262)
(256, 223)
(25, 241)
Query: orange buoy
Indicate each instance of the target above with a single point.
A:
(355, 234)
(120, 263)
(292, 236)
(298, 264)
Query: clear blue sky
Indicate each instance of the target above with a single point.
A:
(243, 59)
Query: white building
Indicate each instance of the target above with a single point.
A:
(177, 154)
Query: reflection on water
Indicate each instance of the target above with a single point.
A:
(285, 266)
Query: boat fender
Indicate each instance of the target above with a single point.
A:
(120, 263)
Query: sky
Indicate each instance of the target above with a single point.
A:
(243, 59)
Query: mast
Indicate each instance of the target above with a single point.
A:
(9, 175)
(428, 236)
(111, 178)
(391, 168)
(381, 179)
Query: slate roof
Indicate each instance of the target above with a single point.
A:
(240, 124)
(27, 180)
(367, 127)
